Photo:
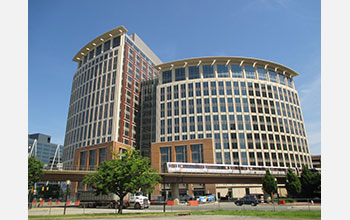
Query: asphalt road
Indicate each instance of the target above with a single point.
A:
(176, 208)
(205, 217)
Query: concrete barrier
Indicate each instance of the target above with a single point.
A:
(193, 203)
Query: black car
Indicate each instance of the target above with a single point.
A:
(248, 199)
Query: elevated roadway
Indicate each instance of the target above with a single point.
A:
(168, 178)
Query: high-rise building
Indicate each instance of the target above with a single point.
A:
(223, 110)
(105, 97)
(248, 107)
(226, 110)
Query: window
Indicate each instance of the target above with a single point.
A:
(197, 153)
(116, 41)
(106, 46)
(205, 88)
(289, 81)
(208, 71)
(228, 88)
(218, 158)
(193, 72)
(176, 91)
(282, 78)
(180, 74)
(244, 160)
(207, 123)
(102, 155)
(241, 141)
(181, 153)
(165, 155)
(198, 89)
(98, 50)
(162, 94)
(82, 160)
(92, 159)
(250, 72)
(183, 90)
(236, 71)
(184, 124)
(91, 55)
(166, 76)
(213, 88)
(222, 70)
(221, 88)
(262, 74)
(273, 76)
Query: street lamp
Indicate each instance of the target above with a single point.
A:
(278, 196)
(65, 203)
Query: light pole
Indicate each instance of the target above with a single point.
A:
(65, 203)
(278, 196)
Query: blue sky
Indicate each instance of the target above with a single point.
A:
(283, 31)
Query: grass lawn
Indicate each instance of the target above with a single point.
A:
(278, 214)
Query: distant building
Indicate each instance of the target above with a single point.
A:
(45, 150)
(316, 161)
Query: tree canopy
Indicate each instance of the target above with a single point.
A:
(34, 170)
(310, 183)
(269, 183)
(127, 174)
(293, 184)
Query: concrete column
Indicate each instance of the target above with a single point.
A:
(175, 192)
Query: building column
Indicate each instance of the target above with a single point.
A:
(175, 192)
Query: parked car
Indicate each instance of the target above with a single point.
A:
(248, 199)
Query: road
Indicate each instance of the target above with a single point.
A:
(176, 208)
(203, 217)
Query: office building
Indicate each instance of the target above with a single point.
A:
(223, 110)
(249, 109)
(44, 150)
(105, 97)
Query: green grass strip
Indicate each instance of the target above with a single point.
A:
(270, 214)
(104, 215)
(277, 214)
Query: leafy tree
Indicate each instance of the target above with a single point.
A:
(310, 183)
(34, 170)
(269, 183)
(293, 184)
(128, 174)
(34, 173)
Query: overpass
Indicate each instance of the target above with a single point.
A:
(168, 178)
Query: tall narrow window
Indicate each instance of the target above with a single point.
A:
(208, 71)
(222, 70)
(197, 153)
(165, 155)
(193, 72)
(236, 71)
(250, 72)
(181, 153)
(179, 74)
(166, 76)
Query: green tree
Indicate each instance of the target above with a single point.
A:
(269, 183)
(34, 174)
(293, 184)
(310, 183)
(128, 174)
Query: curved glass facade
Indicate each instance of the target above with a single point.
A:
(250, 110)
